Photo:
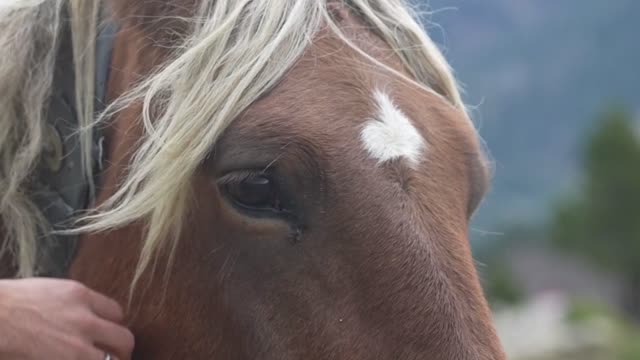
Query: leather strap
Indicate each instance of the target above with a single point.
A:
(61, 187)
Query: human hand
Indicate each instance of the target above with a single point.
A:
(59, 319)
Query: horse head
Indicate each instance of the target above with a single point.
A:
(287, 180)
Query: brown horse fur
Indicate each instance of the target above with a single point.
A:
(375, 264)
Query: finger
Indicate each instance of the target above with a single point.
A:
(113, 338)
(91, 352)
(105, 307)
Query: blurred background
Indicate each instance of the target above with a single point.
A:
(554, 88)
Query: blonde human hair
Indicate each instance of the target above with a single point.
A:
(236, 51)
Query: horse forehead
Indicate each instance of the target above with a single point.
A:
(332, 92)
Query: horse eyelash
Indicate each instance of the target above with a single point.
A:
(240, 176)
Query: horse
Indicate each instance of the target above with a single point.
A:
(282, 179)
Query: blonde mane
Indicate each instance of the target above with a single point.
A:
(29, 39)
(238, 50)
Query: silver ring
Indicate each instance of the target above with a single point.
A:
(107, 356)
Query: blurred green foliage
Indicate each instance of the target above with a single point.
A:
(500, 285)
(583, 310)
(498, 281)
(625, 336)
(603, 221)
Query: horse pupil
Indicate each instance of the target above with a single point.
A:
(256, 192)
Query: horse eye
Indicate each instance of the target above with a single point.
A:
(254, 193)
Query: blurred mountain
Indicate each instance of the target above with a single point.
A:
(537, 74)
